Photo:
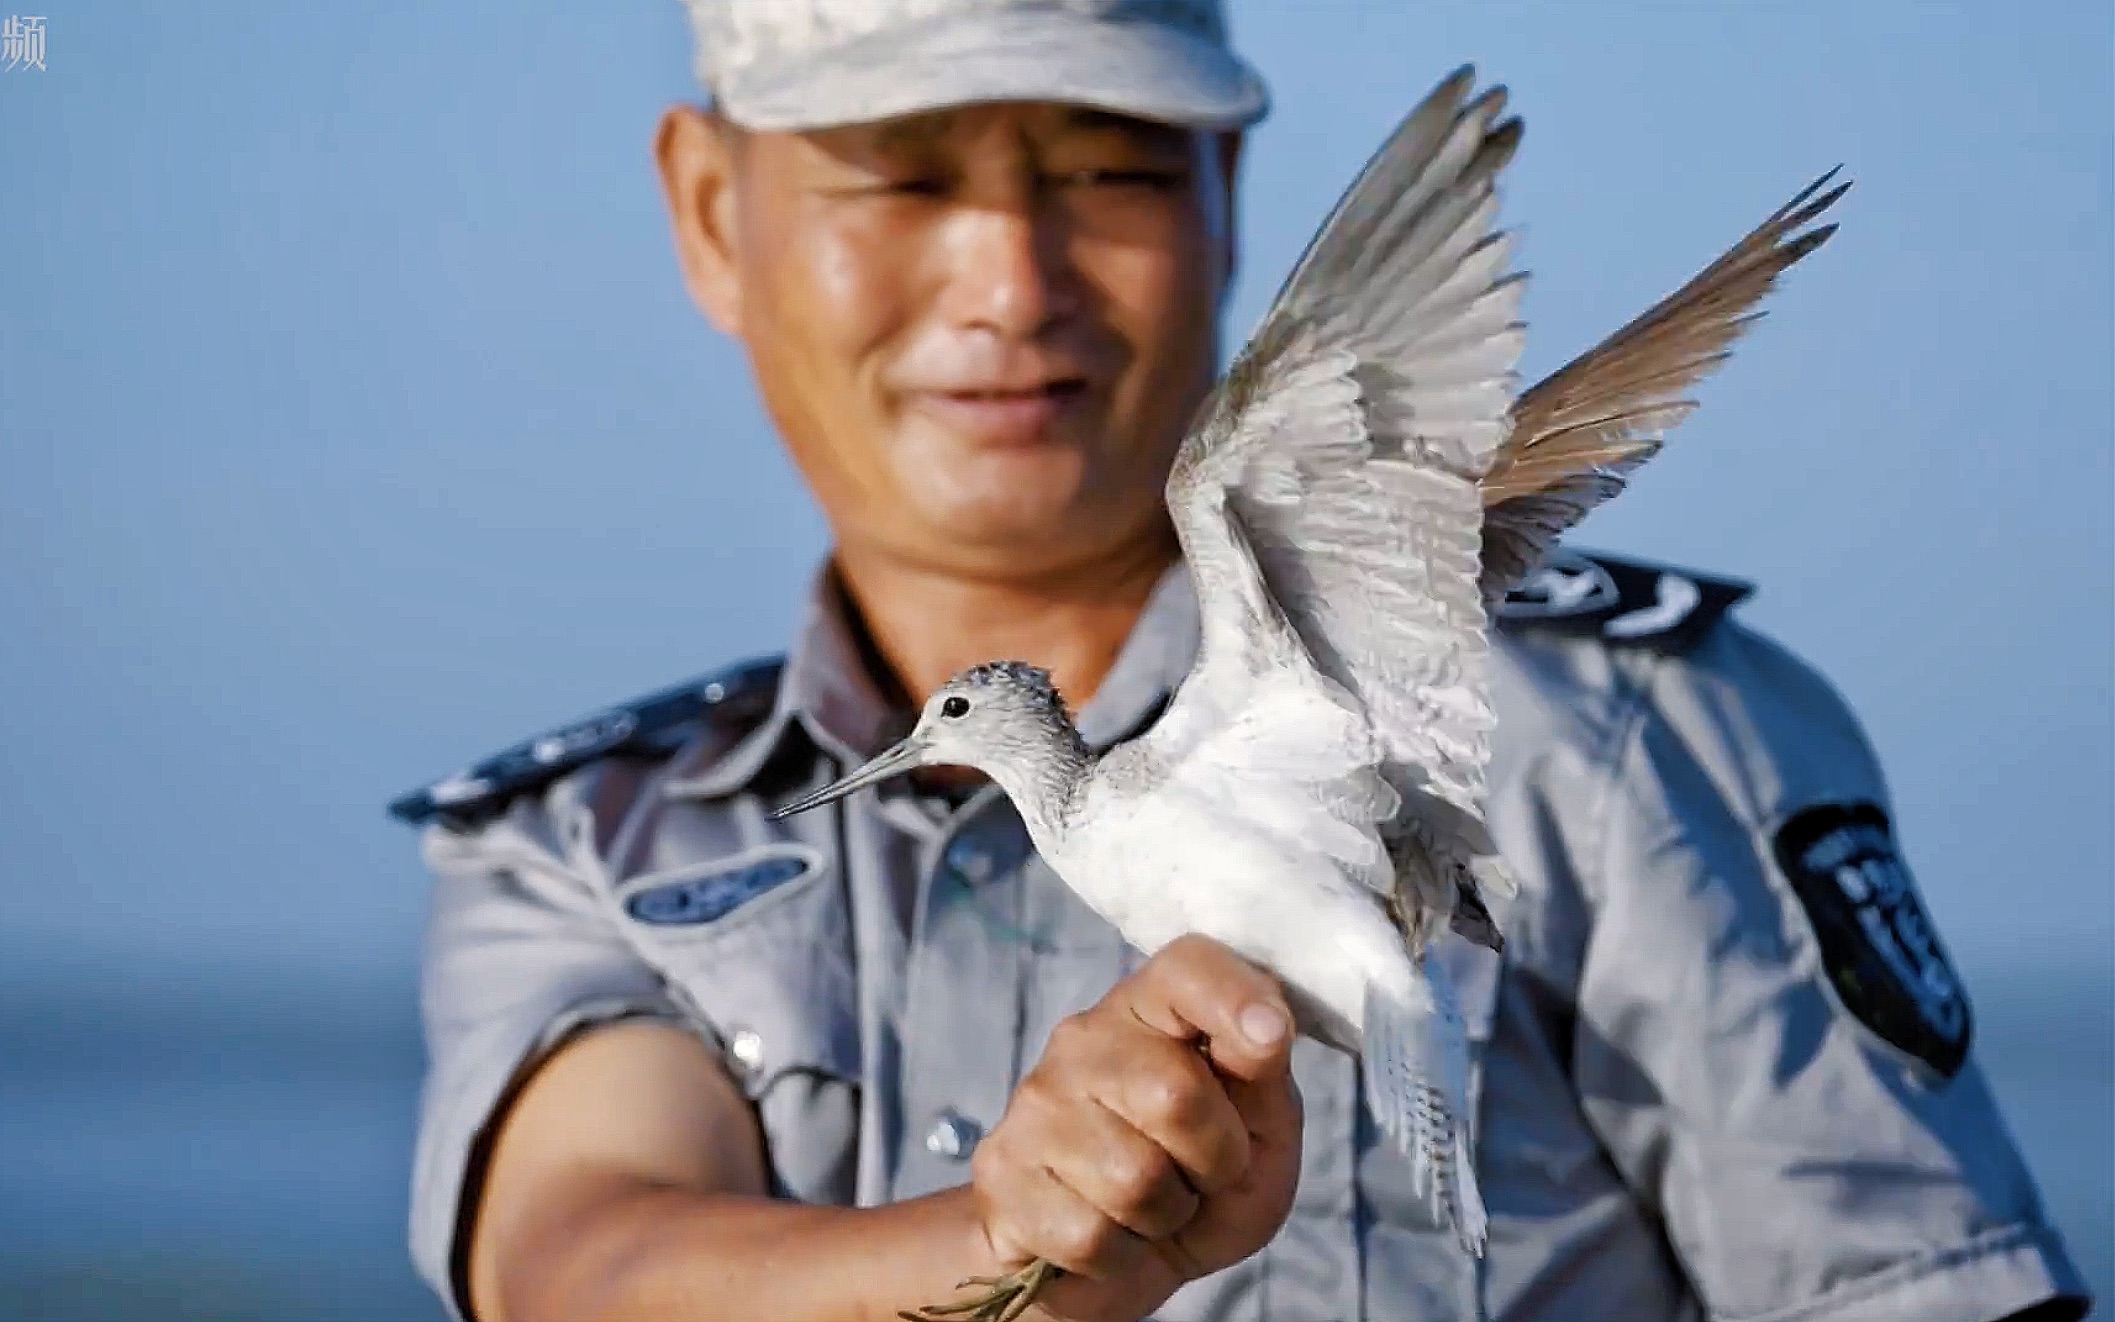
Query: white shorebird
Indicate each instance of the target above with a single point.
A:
(1350, 501)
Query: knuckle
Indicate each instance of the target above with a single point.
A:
(1015, 1132)
(1069, 1039)
(1188, 946)
(1050, 1091)
(991, 1161)
(1085, 1242)
(1174, 1096)
(1001, 1171)
(1186, 958)
(1160, 1100)
(1035, 1094)
(1202, 971)
(1138, 1175)
(1201, 956)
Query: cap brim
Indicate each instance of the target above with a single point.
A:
(1041, 54)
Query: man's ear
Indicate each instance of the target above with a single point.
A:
(695, 150)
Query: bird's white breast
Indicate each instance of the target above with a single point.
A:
(1166, 864)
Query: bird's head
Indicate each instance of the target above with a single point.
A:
(1003, 718)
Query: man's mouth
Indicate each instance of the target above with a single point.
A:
(1004, 416)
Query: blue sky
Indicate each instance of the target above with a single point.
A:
(353, 423)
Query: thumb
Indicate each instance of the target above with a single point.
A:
(1259, 1047)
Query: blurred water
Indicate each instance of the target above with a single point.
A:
(234, 1145)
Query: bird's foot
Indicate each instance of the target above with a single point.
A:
(1004, 1299)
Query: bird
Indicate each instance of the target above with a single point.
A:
(1361, 487)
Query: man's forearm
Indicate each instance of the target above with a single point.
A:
(635, 1252)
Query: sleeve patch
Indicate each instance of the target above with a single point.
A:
(1878, 946)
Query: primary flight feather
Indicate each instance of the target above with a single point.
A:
(1351, 499)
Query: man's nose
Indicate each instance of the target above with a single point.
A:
(1009, 271)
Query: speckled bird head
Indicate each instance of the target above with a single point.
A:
(1004, 718)
(999, 711)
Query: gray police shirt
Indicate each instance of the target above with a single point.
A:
(1723, 1066)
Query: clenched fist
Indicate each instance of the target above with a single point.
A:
(1156, 1141)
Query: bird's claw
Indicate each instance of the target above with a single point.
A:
(1004, 1299)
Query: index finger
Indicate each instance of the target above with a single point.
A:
(1196, 988)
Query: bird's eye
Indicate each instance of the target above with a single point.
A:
(955, 707)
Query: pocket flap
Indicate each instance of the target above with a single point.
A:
(759, 945)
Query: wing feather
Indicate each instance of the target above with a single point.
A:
(1364, 476)
(1328, 500)
(1579, 434)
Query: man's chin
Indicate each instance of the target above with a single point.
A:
(989, 495)
(1010, 530)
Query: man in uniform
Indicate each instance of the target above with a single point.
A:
(689, 1062)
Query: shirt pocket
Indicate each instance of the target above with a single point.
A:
(759, 946)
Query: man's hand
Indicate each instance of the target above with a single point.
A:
(1157, 1141)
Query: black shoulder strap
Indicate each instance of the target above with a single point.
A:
(733, 700)
(1624, 603)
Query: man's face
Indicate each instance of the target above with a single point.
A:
(982, 331)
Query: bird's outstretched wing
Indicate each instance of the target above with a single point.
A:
(1330, 491)
(1580, 433)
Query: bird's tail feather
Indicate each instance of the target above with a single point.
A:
(1416, 1061)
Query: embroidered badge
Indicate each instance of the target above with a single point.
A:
(714, 895)
(1878, 946)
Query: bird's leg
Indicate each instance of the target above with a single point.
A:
(1004, 1299)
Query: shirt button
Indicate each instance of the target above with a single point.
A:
(747, 1047)
(953, 1136)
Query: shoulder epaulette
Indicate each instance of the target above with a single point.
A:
(735, 700)
(1626, 603)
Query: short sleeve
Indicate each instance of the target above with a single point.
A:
(1770, 1042)
(519, 956)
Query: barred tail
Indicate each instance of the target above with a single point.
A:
(1417, 1086)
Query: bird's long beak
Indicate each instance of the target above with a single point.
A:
(903, 757)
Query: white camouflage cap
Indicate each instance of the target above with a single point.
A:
(799, 64)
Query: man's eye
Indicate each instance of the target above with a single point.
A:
(915, 186)
(1155, 179)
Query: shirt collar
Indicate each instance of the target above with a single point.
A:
(827, 692)
(827, 685)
